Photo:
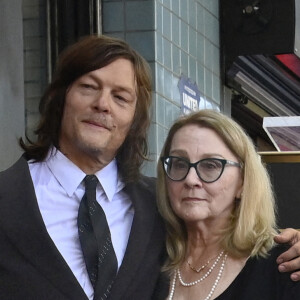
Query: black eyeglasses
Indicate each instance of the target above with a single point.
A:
(208, 169)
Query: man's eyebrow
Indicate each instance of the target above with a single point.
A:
(129, 90)
(119, 88)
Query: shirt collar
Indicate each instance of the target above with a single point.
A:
(110, 180)
(61, 167)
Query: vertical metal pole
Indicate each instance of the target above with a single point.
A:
(98, 17)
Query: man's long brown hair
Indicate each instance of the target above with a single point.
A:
(89, 54)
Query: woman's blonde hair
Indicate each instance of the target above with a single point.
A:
(252, 224)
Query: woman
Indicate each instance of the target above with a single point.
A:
(216, 198)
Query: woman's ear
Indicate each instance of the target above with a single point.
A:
(239, 192)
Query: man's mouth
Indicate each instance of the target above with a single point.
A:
(100, 121)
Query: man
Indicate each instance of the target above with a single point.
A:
(94, 118)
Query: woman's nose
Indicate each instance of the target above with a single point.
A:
(192, 178)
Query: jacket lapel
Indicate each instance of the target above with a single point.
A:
(138, 241)
(21, 220)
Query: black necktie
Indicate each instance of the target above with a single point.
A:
(95, 239)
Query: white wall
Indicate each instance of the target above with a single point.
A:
(12, 116)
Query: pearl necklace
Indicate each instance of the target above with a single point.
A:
(172, 292)
(201, 278)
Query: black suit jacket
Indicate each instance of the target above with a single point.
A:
(31, 267)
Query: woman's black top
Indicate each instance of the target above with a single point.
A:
(261, 280)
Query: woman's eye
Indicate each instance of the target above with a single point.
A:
(179, 164)
(209, 165)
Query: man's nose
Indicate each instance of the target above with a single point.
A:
(102, 101)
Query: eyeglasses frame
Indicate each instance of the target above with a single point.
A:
(224, 162)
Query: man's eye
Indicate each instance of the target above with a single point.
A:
(120, 98)
(88, 86)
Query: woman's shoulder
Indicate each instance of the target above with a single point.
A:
(260, 279)
(277, 249)
(261, 264)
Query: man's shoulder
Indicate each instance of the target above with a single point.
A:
(144, 184)
(19, 164)
(147, 183)
(19, 168)
(147, 180)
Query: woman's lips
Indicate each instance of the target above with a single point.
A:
(193, 199)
